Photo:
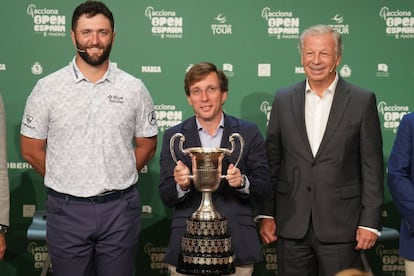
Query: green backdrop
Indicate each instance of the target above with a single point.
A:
(253, 41)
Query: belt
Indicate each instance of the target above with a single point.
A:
(101, 198)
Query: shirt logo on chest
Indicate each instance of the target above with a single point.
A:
(114, 99)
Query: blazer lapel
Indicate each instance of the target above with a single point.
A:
(190, 131)
(298, 106)
(229, 129)
(339, 105)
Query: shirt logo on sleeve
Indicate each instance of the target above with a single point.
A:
(27, 122)
(152, 118)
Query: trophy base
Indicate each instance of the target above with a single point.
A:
(220, 265)
(206, 248)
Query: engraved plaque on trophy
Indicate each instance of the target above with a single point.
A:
(206, 245)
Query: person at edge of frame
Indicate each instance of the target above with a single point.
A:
(401, 185)
(4, 182)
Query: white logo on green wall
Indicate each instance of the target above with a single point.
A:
(37, 69)
(47, 21)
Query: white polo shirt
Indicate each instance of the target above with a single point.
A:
(89, 128)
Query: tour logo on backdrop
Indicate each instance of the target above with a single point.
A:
(339, 25)
(221, 26)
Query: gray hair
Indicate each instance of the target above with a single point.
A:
(321, 30)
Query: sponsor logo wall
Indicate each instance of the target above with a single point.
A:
(254, 42)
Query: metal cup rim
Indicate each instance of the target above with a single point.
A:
(206, 150)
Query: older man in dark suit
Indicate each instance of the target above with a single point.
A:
(401, 184)
(206, 88)
(324, 148)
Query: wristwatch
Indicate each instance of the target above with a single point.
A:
(3, 229)
(243, 182)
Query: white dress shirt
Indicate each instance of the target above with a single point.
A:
(317, 113)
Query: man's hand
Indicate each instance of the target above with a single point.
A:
(268, 230)
(181, 175)
(234, 176)
(365, 239)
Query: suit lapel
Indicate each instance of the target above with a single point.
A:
(230, 127)
(298, 103)
(190, 131)
(339, 105)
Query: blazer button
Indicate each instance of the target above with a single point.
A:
(309, 189)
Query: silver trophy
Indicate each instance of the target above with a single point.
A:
(206, 245)
(206, 167)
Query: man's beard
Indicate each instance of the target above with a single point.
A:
(94, 61)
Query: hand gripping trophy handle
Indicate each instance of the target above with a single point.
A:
(227, 151)
(180, 146)
(241, 140)
(206, 171)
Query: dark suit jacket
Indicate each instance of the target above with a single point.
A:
(342, 186)
(235, 206)
(401, 182)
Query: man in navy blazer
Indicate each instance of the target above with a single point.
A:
(324, 148)
(206, 88)
(401, 185)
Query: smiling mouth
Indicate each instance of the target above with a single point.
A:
(94, 49)
(317, 70)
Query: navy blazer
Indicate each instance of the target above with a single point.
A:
(235, 206)
(341, 187)
(401, 182)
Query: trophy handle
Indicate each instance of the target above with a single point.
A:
(180, 145)
(230, 151)
(231, 139)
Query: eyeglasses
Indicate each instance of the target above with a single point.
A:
(208, 90)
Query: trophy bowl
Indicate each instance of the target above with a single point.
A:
(206, 163)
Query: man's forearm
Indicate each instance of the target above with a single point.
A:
(144, 150)
(38, 162)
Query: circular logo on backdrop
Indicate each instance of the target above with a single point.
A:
(37, 69)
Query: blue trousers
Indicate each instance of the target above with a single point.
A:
(85, 238)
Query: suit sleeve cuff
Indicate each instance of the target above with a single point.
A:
(259, 217)
(378, 233)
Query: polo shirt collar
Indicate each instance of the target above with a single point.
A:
(109, 75)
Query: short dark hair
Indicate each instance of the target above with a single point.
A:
(199, 71)
(90, 9)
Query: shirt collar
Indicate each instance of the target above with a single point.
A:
(109, 75)
(331, 89)
(221, 124)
